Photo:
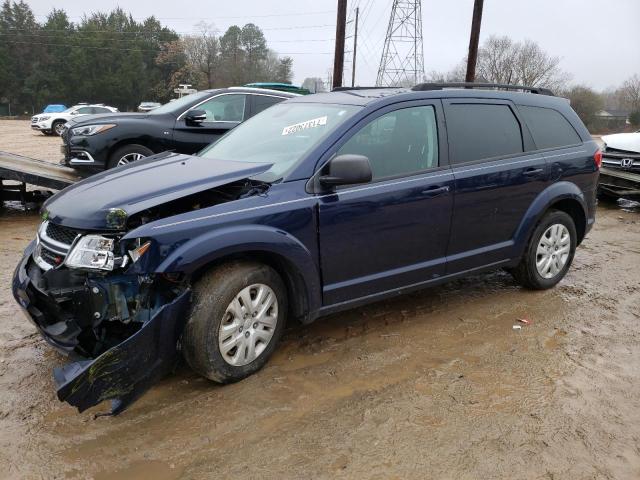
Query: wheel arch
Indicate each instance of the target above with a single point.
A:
(297, 292)
(563, 196)
(280, 250)
(129, 141)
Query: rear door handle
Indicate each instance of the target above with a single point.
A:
(435, 190)
(533, 172)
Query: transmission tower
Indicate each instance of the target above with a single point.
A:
(402, 61)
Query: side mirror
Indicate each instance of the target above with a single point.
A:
(195, 116)
(347, 169)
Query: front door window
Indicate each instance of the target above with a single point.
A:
(224, 108)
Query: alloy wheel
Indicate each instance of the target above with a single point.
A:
(248, 325)
(129, 157)
(553, 250)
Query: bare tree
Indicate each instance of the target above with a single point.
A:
(630, 93)
(501, 60)
(314, 84)
(456, 74)
(202, 53)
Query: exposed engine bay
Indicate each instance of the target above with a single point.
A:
(81, 290)
(208, 198)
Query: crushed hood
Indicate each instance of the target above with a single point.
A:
(141, 185)
(629, 142)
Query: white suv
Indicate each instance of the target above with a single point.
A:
(50, 123)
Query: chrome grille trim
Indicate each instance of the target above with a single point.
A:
(56, 246)
(44, 241)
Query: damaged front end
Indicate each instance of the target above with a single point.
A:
(121, 329)
(94, 294)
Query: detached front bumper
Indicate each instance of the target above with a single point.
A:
(120, 373)
(619, 183)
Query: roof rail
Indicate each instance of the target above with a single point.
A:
(498, 86)
(343, 89)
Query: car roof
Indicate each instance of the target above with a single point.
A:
(269, 91)
(372, 96)
(91, 105)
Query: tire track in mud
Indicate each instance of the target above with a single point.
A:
(432, 384)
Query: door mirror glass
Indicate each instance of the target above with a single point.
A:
(195, 117)
(347, 169)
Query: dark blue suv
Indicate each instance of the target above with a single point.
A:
(318, 204)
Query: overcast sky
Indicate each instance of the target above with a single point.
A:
(598, 41)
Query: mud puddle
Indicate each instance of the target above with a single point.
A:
(436, 384)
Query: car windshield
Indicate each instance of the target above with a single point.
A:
(180, 104)
(281, 135)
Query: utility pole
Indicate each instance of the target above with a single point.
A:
(338, 59)
(355, 47)
(472, 58)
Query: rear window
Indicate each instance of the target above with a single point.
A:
(549, 127)
(478, 131)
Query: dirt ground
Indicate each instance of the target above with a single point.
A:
(436, 384)
(16, 136)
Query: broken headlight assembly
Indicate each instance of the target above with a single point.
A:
(97, 252)
(92, 251)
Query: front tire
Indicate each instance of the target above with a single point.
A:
(57, 127)
(127, 154)
(549, 253)
(237, 318)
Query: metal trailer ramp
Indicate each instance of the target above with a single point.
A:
(25, 170)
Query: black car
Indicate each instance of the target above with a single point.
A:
(186, 125)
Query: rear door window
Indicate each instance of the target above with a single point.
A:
(479, 131)
(550, 129)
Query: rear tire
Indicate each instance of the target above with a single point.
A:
(128, 154)
(237, 317)
(549, 253)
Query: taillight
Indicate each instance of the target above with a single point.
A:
(597, 159)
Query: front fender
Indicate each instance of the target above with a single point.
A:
(202, 250)
(552, 194)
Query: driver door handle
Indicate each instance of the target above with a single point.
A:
(435, 190)
(533, 172)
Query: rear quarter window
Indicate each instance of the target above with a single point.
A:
(550, 129)
(477, 131)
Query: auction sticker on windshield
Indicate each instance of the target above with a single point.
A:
(316, 122)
